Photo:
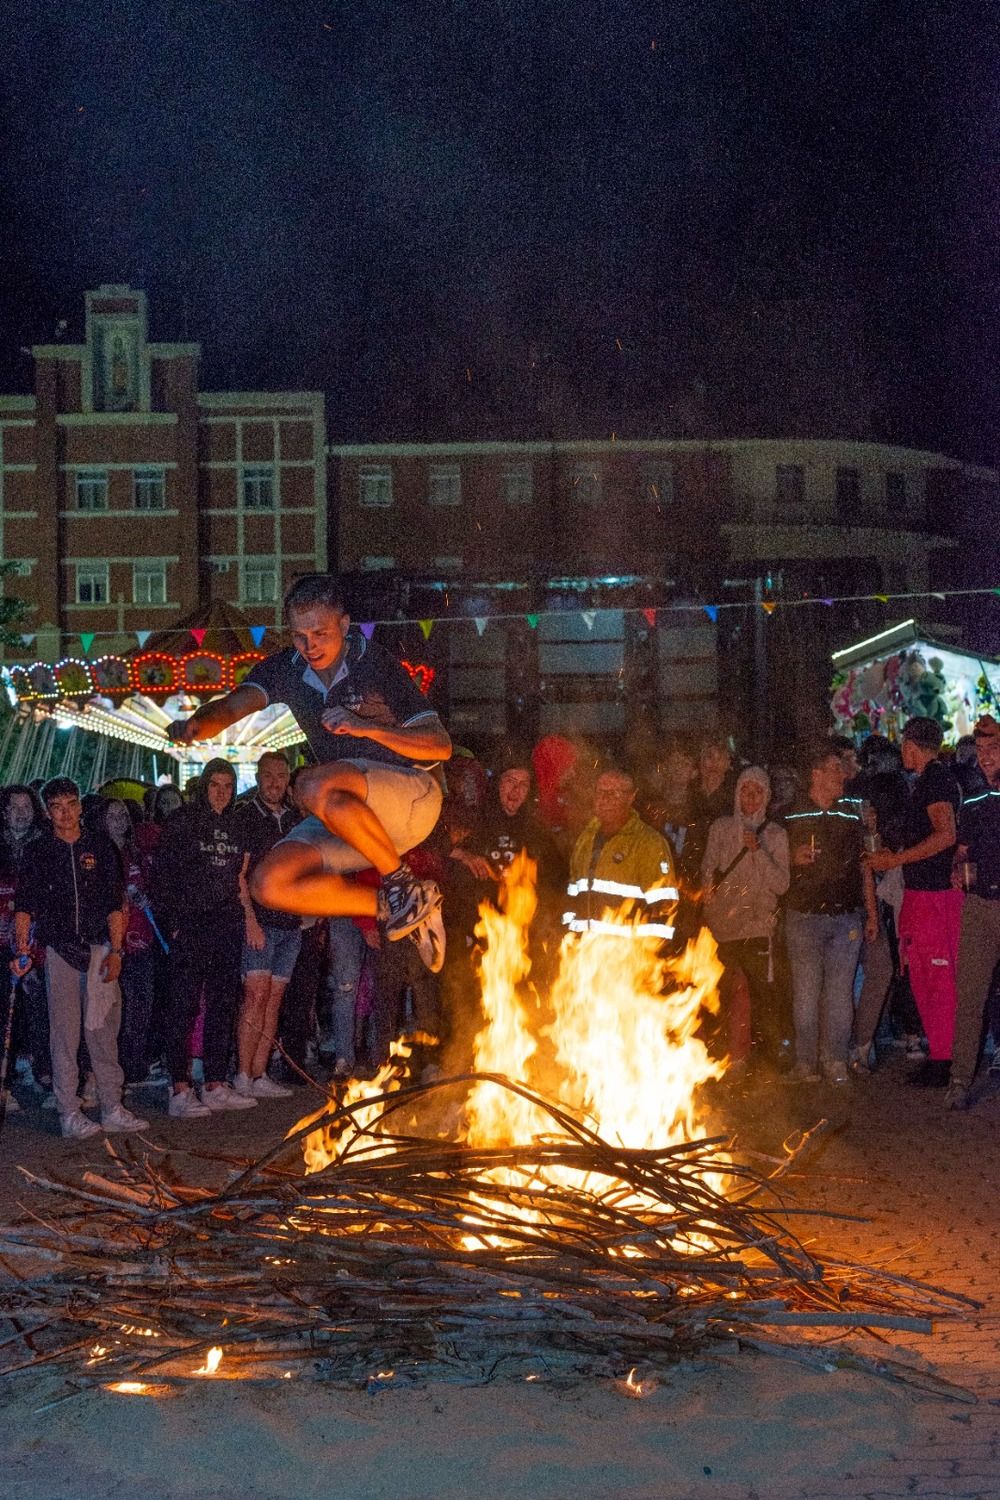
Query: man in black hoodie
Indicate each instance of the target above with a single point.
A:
(196, 877)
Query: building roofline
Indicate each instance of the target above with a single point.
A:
(655, 445)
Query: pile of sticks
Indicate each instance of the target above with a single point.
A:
(409, 1255)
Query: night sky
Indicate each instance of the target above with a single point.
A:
(527, 218)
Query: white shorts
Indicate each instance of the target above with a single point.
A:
(405, 799)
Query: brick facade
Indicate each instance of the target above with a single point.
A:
(129, 497)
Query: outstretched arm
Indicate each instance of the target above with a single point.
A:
(212, 718)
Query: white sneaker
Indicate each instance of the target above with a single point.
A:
(49, 1101)
(120, 1121)
(187, 1106)
(10, 1104)
(76, 1127)
(265, 1088)
(223, 1097)
(403, 906)
(243, 1084)
(429, 939)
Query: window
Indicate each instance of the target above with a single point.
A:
(92, 583)
(149, 489)
(149, 582)
(586, 483)
(789, 484)
(849, 494)
(444, 484)
(91, 489)
(260, 582)
(376, 564)
(375, 487)
(21, 567)
(518, 484)
(258, 487)
(895, 491)
(656, 483)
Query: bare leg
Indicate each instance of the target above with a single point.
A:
(252, 1020)
(336, 794)
(265, 1039)
(291, 878)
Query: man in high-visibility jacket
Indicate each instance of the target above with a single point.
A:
(619, 859)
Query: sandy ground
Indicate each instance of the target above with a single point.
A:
(747, 1427)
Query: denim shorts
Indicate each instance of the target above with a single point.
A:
(278, 955)
(406, 801)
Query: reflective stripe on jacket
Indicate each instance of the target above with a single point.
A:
(633, 865)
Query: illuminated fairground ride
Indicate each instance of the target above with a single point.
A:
(131, 698)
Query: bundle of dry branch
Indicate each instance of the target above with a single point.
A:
(410, 1253)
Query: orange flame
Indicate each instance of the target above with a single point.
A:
(623, 1023)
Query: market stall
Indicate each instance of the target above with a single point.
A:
(902, 672)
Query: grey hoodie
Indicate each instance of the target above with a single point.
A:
(743, 904)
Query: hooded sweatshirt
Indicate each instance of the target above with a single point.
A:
(197, 864)
(742, 903)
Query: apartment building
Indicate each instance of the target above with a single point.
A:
(129, 497)
(629, 523)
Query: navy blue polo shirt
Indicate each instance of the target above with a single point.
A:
(369, 683)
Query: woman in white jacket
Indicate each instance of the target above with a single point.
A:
(744, 872)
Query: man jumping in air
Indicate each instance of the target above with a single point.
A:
(372, 794)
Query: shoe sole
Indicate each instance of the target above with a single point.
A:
(429, 940)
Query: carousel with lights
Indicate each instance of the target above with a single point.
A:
(128, 701)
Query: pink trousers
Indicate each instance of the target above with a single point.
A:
(928, 948)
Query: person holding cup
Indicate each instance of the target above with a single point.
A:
(977, 872)
(829, 908)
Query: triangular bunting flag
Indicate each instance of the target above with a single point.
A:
(27, 640)
(768, 606)
(649, 615)
(86, 641)
(589, 616)
(368, 629)
(142, 636)
(712, 610)
(426, 626)
(882, 598)
(827, 602)
(257, 633)
(532, 621)
(480, 623)
(938, 596)
(199, 635)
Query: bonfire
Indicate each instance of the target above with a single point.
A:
(558, 1211)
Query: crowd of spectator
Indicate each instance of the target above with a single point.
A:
(854, 897)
